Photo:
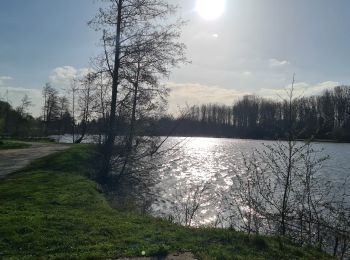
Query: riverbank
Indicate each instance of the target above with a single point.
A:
(52, 209)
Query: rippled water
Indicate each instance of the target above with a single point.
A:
(211, 163)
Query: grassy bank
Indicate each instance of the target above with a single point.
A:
(7, 145)
(52, 210)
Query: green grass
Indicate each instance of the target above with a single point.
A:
(7, 145)
(51, 210)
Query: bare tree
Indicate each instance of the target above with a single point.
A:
(187, 202)
(25, 104)
(131, 28)
(243, 204)
(73, 92)
(64, 118)
(86, 98)
(101, 104)
(282, 191)
(50, 108)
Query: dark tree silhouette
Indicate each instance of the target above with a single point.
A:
(140, 47)
(325, 116)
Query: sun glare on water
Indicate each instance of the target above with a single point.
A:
(210, 9)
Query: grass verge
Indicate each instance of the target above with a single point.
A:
(7, 145)
(51, 210)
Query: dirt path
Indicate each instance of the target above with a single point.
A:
(16, 159)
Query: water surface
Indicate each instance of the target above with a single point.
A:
(210, 163)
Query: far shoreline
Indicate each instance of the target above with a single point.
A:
(316, 140)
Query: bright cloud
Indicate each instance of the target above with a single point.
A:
(63, 76)
(278, 63)
(60, 77)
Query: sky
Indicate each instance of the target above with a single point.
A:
(254, 47)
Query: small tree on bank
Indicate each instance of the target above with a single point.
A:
(51, 107)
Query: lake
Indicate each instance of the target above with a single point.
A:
(204, 167)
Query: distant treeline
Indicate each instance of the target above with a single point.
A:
(326, 116)
(322, 117)
(15, 122)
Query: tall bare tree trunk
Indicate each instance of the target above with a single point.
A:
(108, 148)
(133, 121)
(73, 113)
(291, 139)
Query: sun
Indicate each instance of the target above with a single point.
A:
(210, 9)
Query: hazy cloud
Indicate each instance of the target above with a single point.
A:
(301, 89)
(189, 94)
(247, 73)
(14, 95)
(4, 78)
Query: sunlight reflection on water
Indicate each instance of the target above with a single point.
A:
(211, 162)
